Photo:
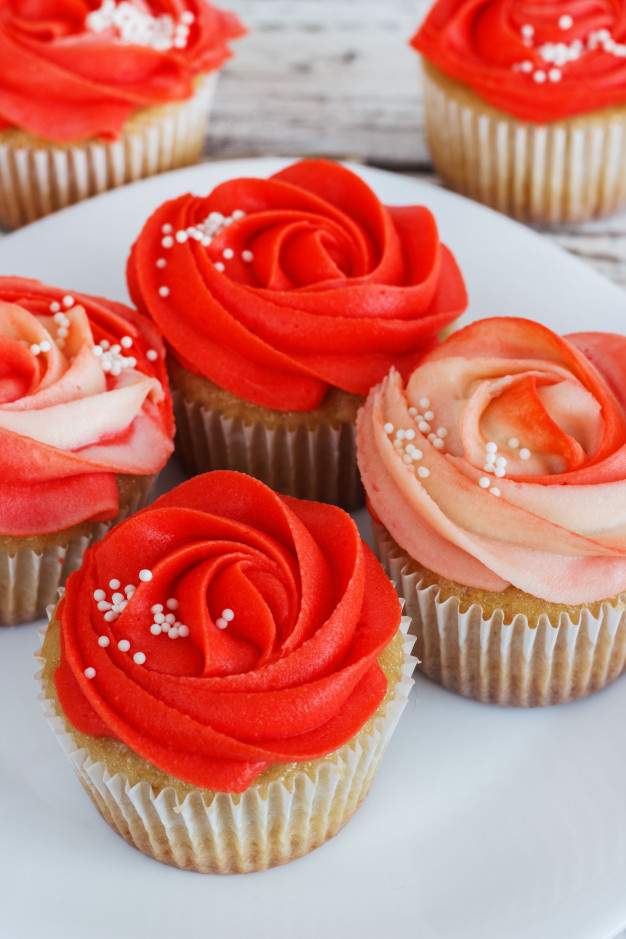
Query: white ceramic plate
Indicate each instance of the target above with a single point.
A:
(483, 823)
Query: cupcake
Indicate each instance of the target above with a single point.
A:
(282, 301)
(497, 479)
(85, 424)
(525, 104)
(224, 672)
(92, 97)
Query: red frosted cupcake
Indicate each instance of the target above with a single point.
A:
(526, 104)
(498, 471)
(85, 424)
(229, 710)
(95, 96)
(283, 301)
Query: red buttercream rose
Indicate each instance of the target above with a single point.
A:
(278, 289)
(279, 613)
(83, 397)
(539, 61)
(75, 69)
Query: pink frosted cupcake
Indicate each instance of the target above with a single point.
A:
(497, 478)
(95, 96)
(85, 424)
(525, 104)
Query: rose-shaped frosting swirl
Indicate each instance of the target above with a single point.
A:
(74, 69)
(278, 289)
(279, 614)
(540, 61)
(502, 460)
(81, 399)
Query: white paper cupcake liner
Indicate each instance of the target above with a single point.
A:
(564, 171)
(485, 658)
(30, 580)
(223, 833)
(39, 179)
(317, 463)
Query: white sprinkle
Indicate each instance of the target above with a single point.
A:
(228, 615)
(187, 17)
(111, 615)
(117, 597)
(388, 427)
(89, 672)
(524, 454)
(183, 630)
(63, 332)
(157, 608)
(428, 415)
(126, 342)
(526, 66)
(412, 411)
(499, 471)
(565, 21)
(68, 302)
(167, 242)
(152, 355)
(161, 262)
(139, 658)
(35, 349)
(145, 575)
(554, 75)
(438, 443)
(155, 629)
(228, 253)
(45, 346)
(181, 237)
(484, 482)
(489, 467)
(165, 627)
(159, 617)
(432, 437)
(129, 590)
(164, 291)
(407, 458)
(400, 434)
(167, 229)
(442, 432)
(103, 605)
(114, 584)
(221, 623)
(173, 633)
(424, 402)
(416, 454)
(528, 31)
(423, 471)
(424, 427)
(170, 618)
(494, 491)
(491, 447)
(105, 344)
(172, 603)
(103, 641)
(99, 594)
(55, 306)
(409, 434)
(501, 461)
(539, 76)
(219, 266)
(513, 443)
(123, 645)
(247, 257)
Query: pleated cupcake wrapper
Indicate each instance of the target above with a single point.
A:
(484, 658)
(30, 580)
(317, 463)
(241, 833)
(565, 171)
(38, 180)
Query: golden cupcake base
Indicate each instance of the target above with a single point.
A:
(508, 649)
(562, 171)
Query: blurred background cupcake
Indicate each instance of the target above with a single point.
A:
(228, 711)
(282, 302)
(85, 425)
(496, 477)
(94, 96)
(525, 104)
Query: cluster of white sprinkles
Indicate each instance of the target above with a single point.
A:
(497, 464)
(134, 26)
(204, 233)
(112, 607)
(226, 618)
(402, 438)
(556, 55)
(60, 328)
